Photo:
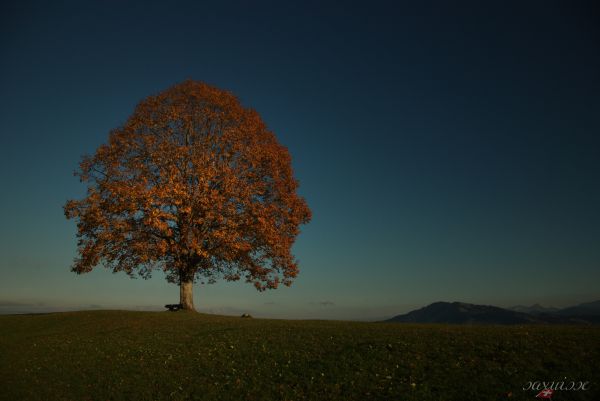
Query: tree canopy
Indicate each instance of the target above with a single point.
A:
(194, 184)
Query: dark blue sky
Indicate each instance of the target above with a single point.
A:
(448, 152)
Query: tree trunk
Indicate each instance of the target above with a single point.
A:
(186, 297)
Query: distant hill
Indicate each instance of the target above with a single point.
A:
(461, 313)
(534, 309)
(465, 313)
(586, 309)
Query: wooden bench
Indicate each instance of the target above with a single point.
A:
(174, 307)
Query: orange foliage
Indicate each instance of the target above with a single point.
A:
(193, 184)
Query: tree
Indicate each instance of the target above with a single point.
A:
(193, 184)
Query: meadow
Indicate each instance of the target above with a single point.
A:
(123, 355)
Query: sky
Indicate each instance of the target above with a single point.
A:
(449, 151)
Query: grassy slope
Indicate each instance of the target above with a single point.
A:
(119, 355)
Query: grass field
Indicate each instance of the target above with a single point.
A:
(117, 355)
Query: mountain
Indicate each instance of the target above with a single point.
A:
(464, 313)
(586, 309)
(534, 309)
(461, 313)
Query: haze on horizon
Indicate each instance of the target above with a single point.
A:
(449, 152)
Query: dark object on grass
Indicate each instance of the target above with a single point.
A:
(246, 315)
(174, 307)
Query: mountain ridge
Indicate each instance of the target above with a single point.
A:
(467, 313)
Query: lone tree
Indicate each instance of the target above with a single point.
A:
(193, 184)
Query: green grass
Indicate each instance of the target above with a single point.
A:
(116, 355)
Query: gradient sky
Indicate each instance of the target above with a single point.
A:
(447, 152)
